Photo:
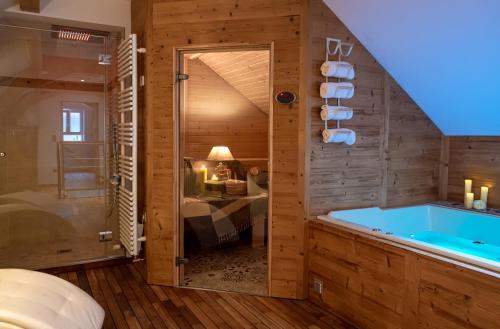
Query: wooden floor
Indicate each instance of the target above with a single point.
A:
(131, 303)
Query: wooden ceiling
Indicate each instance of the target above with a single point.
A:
(246, 71)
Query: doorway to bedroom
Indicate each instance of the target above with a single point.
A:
(224, 168)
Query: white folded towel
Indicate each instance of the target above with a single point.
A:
(336, 112)
(341, 135)
(337, 69)
(336, 90)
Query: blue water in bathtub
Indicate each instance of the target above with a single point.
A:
(475, 248)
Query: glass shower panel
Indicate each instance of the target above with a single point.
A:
(53, 177)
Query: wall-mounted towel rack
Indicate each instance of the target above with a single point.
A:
(341, 70)
(342, 48)
(127, 144)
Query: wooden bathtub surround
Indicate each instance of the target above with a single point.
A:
(376, 285)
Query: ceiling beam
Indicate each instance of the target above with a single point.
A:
(30, 5)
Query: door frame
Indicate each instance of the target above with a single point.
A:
(178, 100)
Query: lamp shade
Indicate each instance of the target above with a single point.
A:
(220, 153)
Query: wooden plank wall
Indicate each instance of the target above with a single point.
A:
(309, 177)
(217, 114)
(477, 158)
(376, 285)
(414, 152)
(201, 22)
(395, 160)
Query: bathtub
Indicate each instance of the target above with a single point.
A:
(466, 236)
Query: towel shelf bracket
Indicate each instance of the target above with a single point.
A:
(342, 48)
(339, 48)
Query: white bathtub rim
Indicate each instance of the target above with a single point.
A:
(479, 264)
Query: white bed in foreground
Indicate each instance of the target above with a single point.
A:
(35, 300)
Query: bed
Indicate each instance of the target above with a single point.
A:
(35, 300)
(31, 218)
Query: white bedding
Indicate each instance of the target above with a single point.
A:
(35, 300)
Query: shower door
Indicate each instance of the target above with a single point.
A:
(53, 149)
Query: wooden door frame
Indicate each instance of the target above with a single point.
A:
(178, 53)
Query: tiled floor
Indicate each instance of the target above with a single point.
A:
(239, 269)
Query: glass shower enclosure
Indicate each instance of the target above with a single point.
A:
(56, 150)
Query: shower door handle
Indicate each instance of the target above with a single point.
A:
(3, 154)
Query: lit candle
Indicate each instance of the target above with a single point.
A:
(214, 177)
(469, 200)
(203, 178)
(484, 195)
(204, 172)
(468, 186)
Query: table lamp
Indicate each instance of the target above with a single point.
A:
(221, 153)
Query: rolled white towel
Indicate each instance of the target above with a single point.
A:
(336, 112)
(338, 69)
(341, 135)
(343, 90)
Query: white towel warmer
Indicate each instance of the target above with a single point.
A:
(127, 144)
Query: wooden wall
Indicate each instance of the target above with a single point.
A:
(395, 160)
(376, 285)
(414, 151)
(217, 114)
(309, 177)
(200, 23)
(477, 158)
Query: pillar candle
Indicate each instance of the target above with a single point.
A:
(469, 200)
(204, 172)
(468, 186)
(484, 195)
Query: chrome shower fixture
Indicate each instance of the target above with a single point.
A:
(115, 180)
(104, 59)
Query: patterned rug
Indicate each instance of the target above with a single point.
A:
(242, 269)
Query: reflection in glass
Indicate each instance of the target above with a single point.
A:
(53, 129)
(224, 171)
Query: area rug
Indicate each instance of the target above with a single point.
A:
(241, 269)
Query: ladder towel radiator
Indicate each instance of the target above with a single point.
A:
(127, 144)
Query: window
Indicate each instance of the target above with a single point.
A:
(72, 124)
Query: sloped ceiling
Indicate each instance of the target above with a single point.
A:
(444, 53)
(246, 71)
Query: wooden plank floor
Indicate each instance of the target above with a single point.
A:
(131, 303)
